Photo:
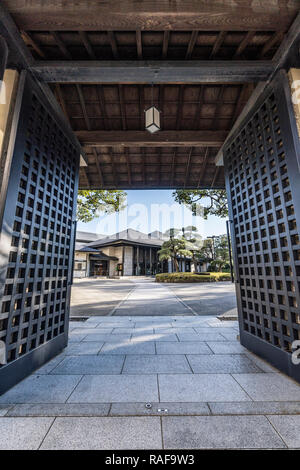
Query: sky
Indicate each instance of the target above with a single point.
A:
(149, 210)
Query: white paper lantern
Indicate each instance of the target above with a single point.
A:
(152, 119)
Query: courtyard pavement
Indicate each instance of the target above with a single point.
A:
(152, 382)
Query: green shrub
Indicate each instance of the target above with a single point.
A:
(192, 277)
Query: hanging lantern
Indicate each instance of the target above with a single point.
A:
(152, 119)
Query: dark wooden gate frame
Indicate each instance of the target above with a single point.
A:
(279, 329)
(36, 340)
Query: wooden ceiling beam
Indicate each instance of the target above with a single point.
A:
(130, 15)
(145, 139)
(163, 71)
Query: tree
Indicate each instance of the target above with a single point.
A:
(90, 203)
(173, 248)
(215, 252)
(217, 204)
(221, 252)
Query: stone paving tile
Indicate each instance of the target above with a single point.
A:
(128, 347)
(154, 337)
(4, 409)
(94, 365)
(231, 336)
(175, 330)
(23, 433)
(263, 365)
(64, 409)
(50, 365)
(159, 409)
(200, 388)
(87, 331)
(221, 331)
(156, 364)
(221, 364)
(269, 387)
(223, 324)
(104, 433)
(211, 337)
(116, 389)
(288, 428)
(76, 337)
(86, 347)
(132, 331)
(255, 408)
(185, 347)
(188, 337)
(226, 347)
(42, 389)
(219, 432)
(106, 338)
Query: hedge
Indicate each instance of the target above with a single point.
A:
(192, 277)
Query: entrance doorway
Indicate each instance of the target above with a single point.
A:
(99, 268)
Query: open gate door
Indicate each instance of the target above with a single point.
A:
(262, 162)
(37, 236)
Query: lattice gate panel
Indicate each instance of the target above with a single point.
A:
(263, 183)
(37, 238)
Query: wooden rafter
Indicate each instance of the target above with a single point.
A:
(101, 99)
(203, 168)
(179, 106)
(191, 44)
(188, 164)
(60, 44)
(215, 178)
(83, 107)
(245, 42)
(98, 166)
(128, 165)
(276, 37)
(61, 100)
(84, 38)
(219, 41)
(27, 38)
(122, 107)
(139, 46)
(112, 162)
(165, 44)
(113, 44)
